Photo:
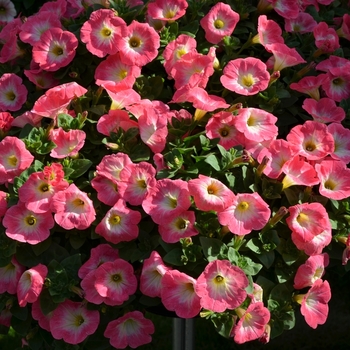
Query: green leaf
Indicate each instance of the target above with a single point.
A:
(71, 265)
(233, 256)
(213, 248)
(213, 161)
(64, 121)
(79, 167)
(223, 324)
(174, 257)
(249, 266)
(46, 303)
(59, 283)
(267, 258)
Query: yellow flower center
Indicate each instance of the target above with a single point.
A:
(116, 278)
(12, 160)
(243, 206)
(57, 50)
(310, 146)
(44, 188)
(224, 131)
(182, 224)
(302, 218)
(212, 189)
(248, 80)
(142, 183)
(115, 219)
(330, 184)
(219, 24)
(10, 95)
(30, 220)
(78, 202)
(135, 42)
(172, 201)
(180, 52)
(123, 74)
(169, 13)
(106, 32)
(79, 320)
(219, 279)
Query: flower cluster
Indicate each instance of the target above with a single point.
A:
(185, 154)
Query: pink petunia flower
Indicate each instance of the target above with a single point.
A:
(13, 93)
(6, 120)
(113, 73)
(283, 57)
(314, 304)
(247, 212)
(176, 49)
(139, 180)
(42, 79)
(101, 32)
(119, 224)
(25, 226)
(334, 179)
(57, 99)
(221, 125)
(307, 220)
(115, 281)
(324, 110)
(3, 204)
(36, 193)
(122, 99)
(167, 200)
(31, 284)
(10, 275)
(341, 138)
(166, 10)
(221, 286)
(337, 83)
(153, 270)
(73, 208)
(256, 124)
(73, 322)
(309, 85)
(326, 38)
(56, 49)
(344, 30)
(132, 329)
(245, 76)
(302, 24)
(107, 190)
(8, 11)
(269, 32)
(68, 143)
(14, 158)
(210, 194)
(285, 8)
(36, 25)
(138, 44)
(178, 294)
(219, 22)
(251, 324)
(38, 315)
(312, 270)
(180, 227)
(298, 172)
(313, 140)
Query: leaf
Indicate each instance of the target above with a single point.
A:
(79, 167)
(249, 266)
(233, 256)
(213, 161)
(71, 265)
(174, 257)
(213, 248)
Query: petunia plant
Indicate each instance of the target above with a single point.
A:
(189, 157)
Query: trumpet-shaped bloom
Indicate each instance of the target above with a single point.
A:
(57, 99)
(13, 93)
(178, 294)
(307, 220)
(38, 315)
(6, 120)
(10, 275)
(115, 281)
(341, 138)
(302, 24)
(132, 329)
(167, 200)
(269, 32)
(247, 212)
(179, 227)
(210, 194)
(107, 190)
(119, 224)
(37, 191)
(221, 286)
(112, 164)
(8, 11)
(285, 8)
(14, 158)
(73, 322)
(166, 10)
(324, 111)
(221, 125)
(219, 22)
(313, 140)
(36, 25)
(25, 226)
(299, 172)
(245, 76)
(3, 204)
(121, 99)
(139, 179)
(113, 73)
(251, 324)
(101, 32)
(312, 270)
(309, 85)
(153, 270)
(314, 304)
(326, 39)
(256, 124)
(56, 49)
(68, 143)
(31, 284)
(337, 83)
(73, 208)
(334, 179)
(138, 44)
